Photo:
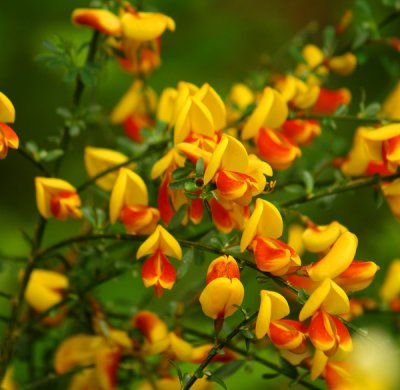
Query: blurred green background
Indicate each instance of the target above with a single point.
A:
(219, 42)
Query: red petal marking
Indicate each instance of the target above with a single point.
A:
(91, 20)
(10, 135)
(282, 333)
(227, 182)
(337, 376)
(268, 257)
(108, 362)
(330, 100)
(342, 333)
(131, 216)
(196, 210)
(164, 204)
(393, 146)
(145, 321)
(277, 150)
(375, 167)
(132, 129)
(220, 216)
(300, 131)
(223, 269)
(358, 270)
(56, 202)
(158, 271)
(320, 331)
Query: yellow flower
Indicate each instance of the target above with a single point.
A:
(270, 112)
(99, 19)
(57, 198)
(343, 65)
(129, 203)
(45, 289)
(98, 160)
(224, 290)
(265, 221)
(8, 381)
(327, 296)
(391, 105)
(200, 111)
(166, 104)
(321, 238)
(273, 307)
(8, 137)
(239, 98)
(390, 289)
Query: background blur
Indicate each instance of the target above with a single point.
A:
(219, 42)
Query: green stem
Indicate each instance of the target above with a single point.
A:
(35, 163)
(353, 185)
(250, 356)
(215, 350)
(11, 334)
(347, 118)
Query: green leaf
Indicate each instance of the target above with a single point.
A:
(190, 186)
(228, 369)
(294, 189)
(178, 184)
(271, 375)
(200, 167)
(64, 112)
(181, 173)
(52, 155)
(216, 379)
(302, 296)
(308, 180)
(329, 38)
(372, 109)
(187, 260)
(248, 334)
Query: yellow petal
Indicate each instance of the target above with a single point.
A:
(145, 26)
(313, 55)
(129, 190)
(98, 159)
(337, 259)
(321, 238)
(214, 164)
(391, 105)
(163, 240)
(215, 105)
(166, 104)
(99, 19)
(390, 288)
(180, 348)
(218, 298)
(7, 110)
(318, 364)
(265, 221)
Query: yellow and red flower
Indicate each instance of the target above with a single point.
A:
(157, 271)
(390, 289)
(224, 290)
(98, 160)
(357, 276)
(288, 335)
(129, 204)
(134, 110)
(301, 131)
(273, 306)
(57, 198)
(329, 101)
(8, 137)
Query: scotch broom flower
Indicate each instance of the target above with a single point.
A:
(357, 276)
(288, 335)
(224, 290)
(101, 20)
(319, 238)
(273, 306)
(390, 289)
(57, 198)
(8, 137)
(157, 271)
(327, 296)
(270, 112)
(129, 204)
(301, 131)
(98, 160)
(329, 101)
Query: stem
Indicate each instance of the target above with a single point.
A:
(11, 334)
(77, 96)
(35, 163)
(247, 355)
(347, 118)
(214, 351)
(353, 185)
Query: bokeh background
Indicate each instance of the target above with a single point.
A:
(219, 42)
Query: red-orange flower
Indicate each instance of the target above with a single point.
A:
(288, 334)
(330, 100)
(8, 138)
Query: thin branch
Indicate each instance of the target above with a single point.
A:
(352, 185)
(215, 350)
(35, 163)
(347, 118)
(250, 356)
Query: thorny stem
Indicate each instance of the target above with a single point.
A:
(11, 334)
(249, 356)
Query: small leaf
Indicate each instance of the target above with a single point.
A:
(372, 109)
(294, 189)
(228, 369)
(177, 184)
(308, 180)
(200, 167)
(178, 217)
(271, 375)
(53, 155)
(181, 173)
(64, 112)
(213, 378)
(190, 186)
(290, 371)
(302, 296)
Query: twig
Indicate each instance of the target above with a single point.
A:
(35, 163)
